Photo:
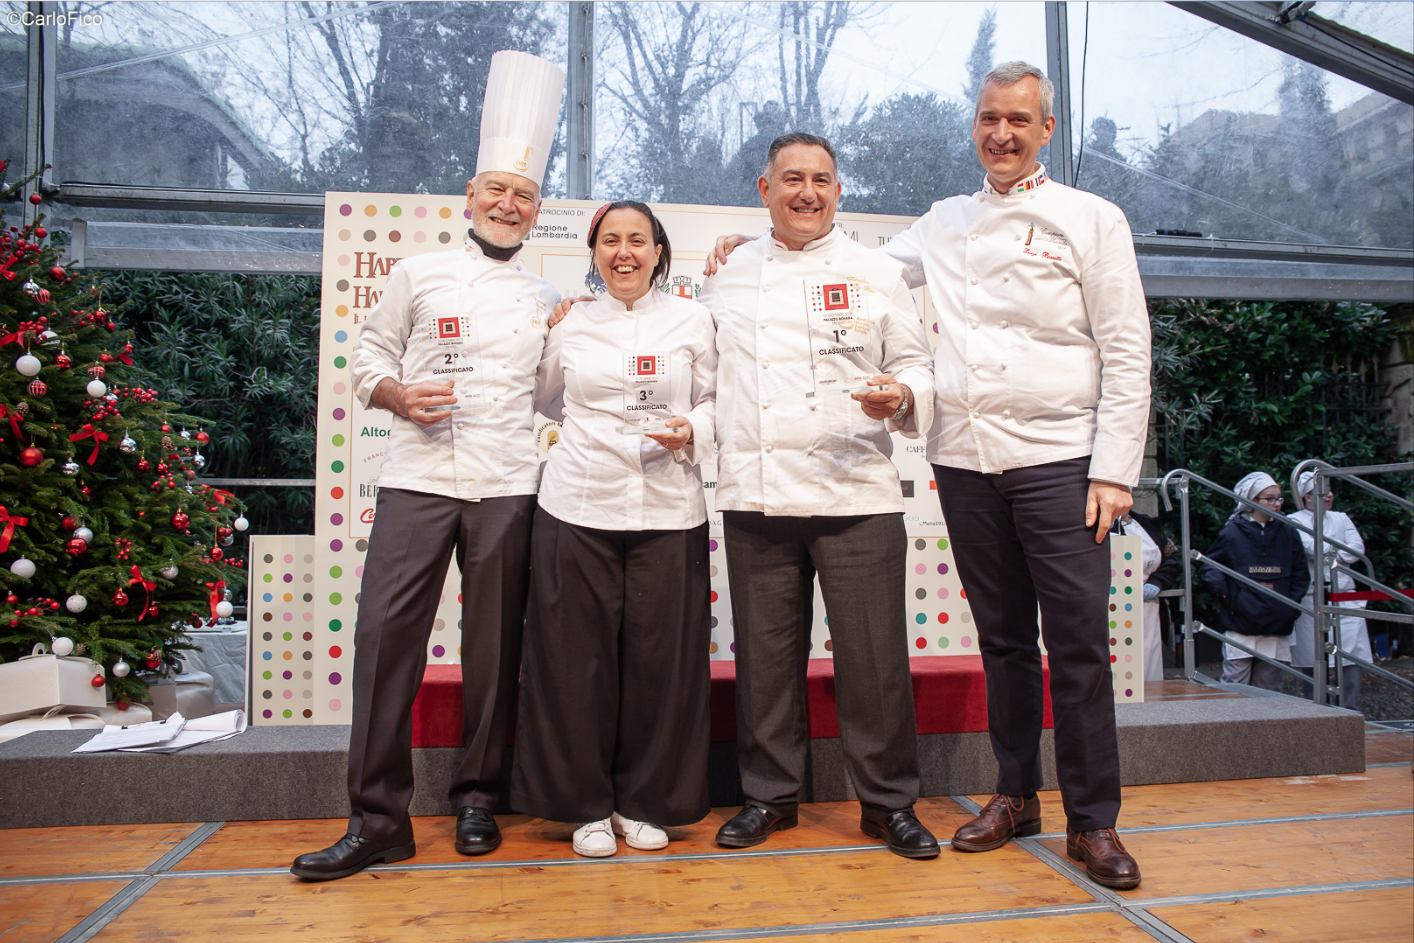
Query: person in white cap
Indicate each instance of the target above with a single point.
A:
(452, 351)
(1354, 636)
(1266, 550)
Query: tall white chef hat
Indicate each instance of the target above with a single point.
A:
(519, 115)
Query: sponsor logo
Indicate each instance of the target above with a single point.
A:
(648, 367)
(367, 516)
(448, 331)
(684, 287)
(522, 163)
(449, 327)
(836, 297)
(547, 435)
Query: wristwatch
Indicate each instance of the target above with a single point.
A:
(902, 410)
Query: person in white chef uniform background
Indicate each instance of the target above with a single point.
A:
(613, 726)
(451, 350)
(1354, 635)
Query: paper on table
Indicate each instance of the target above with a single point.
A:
(136, 735)
(200, 730)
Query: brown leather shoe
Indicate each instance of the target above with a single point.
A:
(1106, 861)
(1002, 819)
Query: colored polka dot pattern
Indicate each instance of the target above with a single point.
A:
(282, 634)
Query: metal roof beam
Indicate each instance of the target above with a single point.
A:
(203, 201)
(1321, 42)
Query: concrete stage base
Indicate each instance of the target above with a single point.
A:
(300, 772)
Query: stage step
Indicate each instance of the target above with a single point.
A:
(300, 772)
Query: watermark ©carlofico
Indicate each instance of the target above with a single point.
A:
(29, 18)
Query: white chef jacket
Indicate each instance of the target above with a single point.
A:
(1354, 634)
(463, 316)
(596, 476)
(779, 451)
(1043, 349)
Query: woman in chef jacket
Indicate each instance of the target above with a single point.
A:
(1354, 637)
(612, 732)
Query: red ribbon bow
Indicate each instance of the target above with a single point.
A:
(221, 496)
(14, 421)
(18, 337)
(216, 589)
(98, 436)
(10, 520)
(149, 585)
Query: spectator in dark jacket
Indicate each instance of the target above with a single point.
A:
(1270, 552)
(1161, 565)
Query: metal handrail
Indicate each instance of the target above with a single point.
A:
(1320, 611)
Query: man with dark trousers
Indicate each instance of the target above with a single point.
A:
(820, 355)
(1042, 378)
(452, 350)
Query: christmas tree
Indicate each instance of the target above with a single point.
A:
(110, 548)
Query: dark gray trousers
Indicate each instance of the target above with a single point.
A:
(414, 537)
(614, 695)
(772, 563)
(1020, 539)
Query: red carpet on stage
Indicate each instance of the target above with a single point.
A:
(949, 696)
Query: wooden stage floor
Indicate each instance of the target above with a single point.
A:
(1323, 858)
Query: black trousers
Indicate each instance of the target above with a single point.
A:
(1020, 539)
(614, 695)
(772, 563)
(414, 536)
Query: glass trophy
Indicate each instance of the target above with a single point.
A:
(646, 408)
(457, 342)
(839, 331)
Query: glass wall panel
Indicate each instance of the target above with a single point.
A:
(12, 104)
(1189, 126)
(286, 96)
(690, 94)
(1390, 23)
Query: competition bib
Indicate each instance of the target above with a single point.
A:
(646, 394)
(839, 324)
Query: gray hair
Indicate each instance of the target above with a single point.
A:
(797, 137)
(1009, 73)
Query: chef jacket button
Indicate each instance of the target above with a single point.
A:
(972, 324)
(812, 409)
(1018, 239)
(763, 327)
(976, 415)
(828, 262)
(974, 237)
(770, 258)
(974, 281)
(1004, 324)
(972, 367)
(768, 448)
(1006, 413)
(1003, 366)
(765, 287)
(812, 452)
(516, 330)
(765, 405)
(765, 365)
(1006, 278)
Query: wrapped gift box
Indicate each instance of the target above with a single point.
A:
(36, 683)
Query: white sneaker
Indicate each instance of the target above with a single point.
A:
(596, 840)
(640, 835)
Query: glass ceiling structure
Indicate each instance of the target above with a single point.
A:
(1259, 150)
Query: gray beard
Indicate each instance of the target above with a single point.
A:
(496, 239)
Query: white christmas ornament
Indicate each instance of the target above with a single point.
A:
(49, 339)
(228, 541)
(224, 609)
(121, 669)
(71, 468)
(84, 534)
(96, 388)
(199, 461)
(76, 603)
(128, 444)
(240, 523)
(168, 572)
(185, 434)
(28, 364)
(62, 646)
(23, 568)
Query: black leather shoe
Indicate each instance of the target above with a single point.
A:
(751, 825)
(904, 834)
(477, 832)
(349, 855)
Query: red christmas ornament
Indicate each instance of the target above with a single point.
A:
(75, 547)
(40, 232)
(38, 387)
(223, 532)
(203, 438)
(143, 464)
(124, 705)
(36, 199)
(162, 470)
(97, 681)
(68, 523)
(85, 490)
(217, 553)
(120, 598)
(154, 660)
(106, 357)
(63, 361)
(42, 296)
(56, 272)
(166, 427)
(97, 371)
(31, 457)
(180, 520)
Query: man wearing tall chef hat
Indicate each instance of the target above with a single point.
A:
(451, 350)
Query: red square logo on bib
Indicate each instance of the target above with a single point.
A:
(647, 365)
(449, 327)
(836, 297)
